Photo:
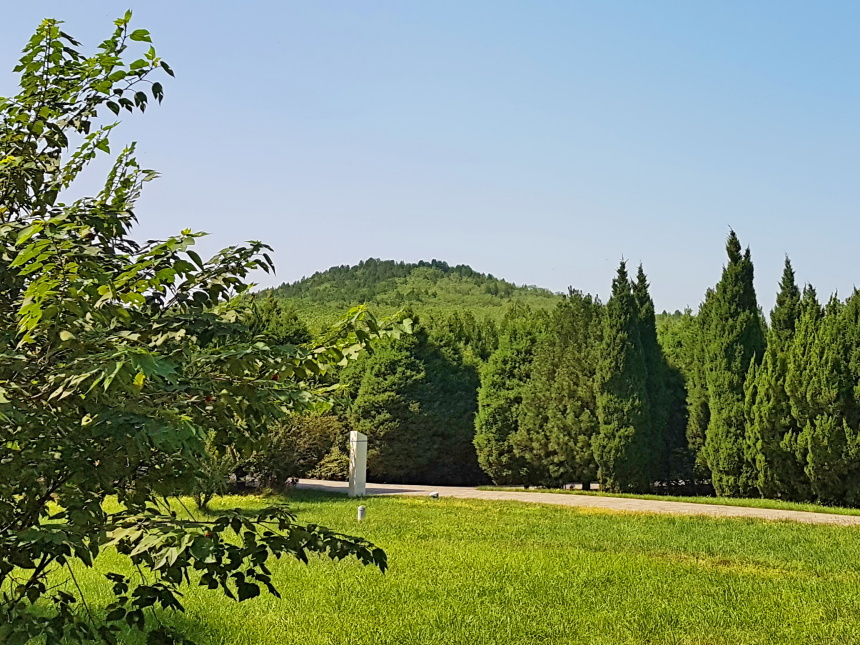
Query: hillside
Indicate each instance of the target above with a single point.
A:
(386, 286)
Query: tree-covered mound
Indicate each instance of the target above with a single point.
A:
(425, 286)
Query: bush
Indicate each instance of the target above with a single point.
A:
(334, 466)
(296, 447)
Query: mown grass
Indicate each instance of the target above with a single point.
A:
(482, 572)
(752, 502)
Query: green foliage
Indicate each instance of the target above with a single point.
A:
(771, 431)
(784, 317)
(503, 379)
(798, 378)
(427, 287)
(215, 468)
(119, 360)
(726, 401)
(415, 399)
(294, 447)
(333, 466)
(626, 450)
(822, 386)
(472, 336)
(557, 419)
(694, 366)
(677, 338)
(666, 391)
(732, 337)
(539, 411)
(277, 321)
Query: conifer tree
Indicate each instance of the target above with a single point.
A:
(823, 392)
(503, 380)
(771, 428)
(386, 385)
(798, 377)
(698, 402)
(798, 381)
(415, 398)
(678, 337)
(557, 420)
(656, 371)
(625, 449)
(733, 337)
(786, 313)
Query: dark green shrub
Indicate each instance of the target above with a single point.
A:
(294, 448)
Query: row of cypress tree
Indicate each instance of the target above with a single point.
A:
(584, 394)
(778, 407)
(593, 392)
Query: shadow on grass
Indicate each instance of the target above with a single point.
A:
(198, 631)
(223, 505)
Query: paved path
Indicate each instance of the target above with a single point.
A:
(588, 501)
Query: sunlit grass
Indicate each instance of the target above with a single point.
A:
(484, 572)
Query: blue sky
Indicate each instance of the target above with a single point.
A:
(537, 141)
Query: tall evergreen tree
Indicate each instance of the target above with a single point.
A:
(733, 337)
(786, 313)
(277, 321)
(771, 428)
(503, 380)
(698, 400)
(656, 371)
(384, 386)
(802, 396)
(625, 448)
(829, 438)
(557, 420)
(677, 337)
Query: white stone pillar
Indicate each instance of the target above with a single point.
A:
(357, 464)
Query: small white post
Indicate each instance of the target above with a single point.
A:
(357, 464)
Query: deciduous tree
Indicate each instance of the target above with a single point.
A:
(119, 359)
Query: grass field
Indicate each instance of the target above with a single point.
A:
(469, 571)
(752, 502)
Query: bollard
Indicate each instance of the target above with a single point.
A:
(357, 464)
(362, 511)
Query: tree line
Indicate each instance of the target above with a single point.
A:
(584, 394)
(723, 399)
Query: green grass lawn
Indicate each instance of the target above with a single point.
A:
(470, 571)
(752, 502)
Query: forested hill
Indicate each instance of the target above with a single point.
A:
(387, 285)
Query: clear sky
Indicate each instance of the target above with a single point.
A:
(537, 141)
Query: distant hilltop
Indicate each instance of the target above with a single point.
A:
(388, 285)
